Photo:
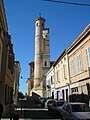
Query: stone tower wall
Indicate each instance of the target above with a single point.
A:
(39, 26)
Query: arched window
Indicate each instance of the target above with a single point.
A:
(45, 63)
(37, 24)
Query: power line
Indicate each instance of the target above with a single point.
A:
(73, 3)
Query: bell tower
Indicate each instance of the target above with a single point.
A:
(42, 56)
(39, 26)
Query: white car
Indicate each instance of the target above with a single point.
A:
(75, 111)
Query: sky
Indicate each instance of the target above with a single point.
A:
(66, 22)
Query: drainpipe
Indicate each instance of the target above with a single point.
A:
(68, 78)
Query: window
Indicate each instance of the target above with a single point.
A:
(65, 71)
(65, 59)
(58, 75)
(51, 79)
(63, 94)
(68, 108)
(62, 75)
(9, 60)
(45, 64)
(65, 107)
(48, 83)
(37, 24)
(74, 90)
(72, 67)
(78, 108)
(79, 62)
(88, 57)
(42, 24)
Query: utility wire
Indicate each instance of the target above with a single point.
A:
(73, 3)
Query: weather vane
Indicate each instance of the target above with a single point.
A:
(39, 14)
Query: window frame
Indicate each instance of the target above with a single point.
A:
(88, 57)
(79, 63)
(72, 67)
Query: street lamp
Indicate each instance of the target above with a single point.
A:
(22, 97)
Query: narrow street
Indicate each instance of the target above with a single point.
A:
(31, 110)
(37, 114)
(28, 110)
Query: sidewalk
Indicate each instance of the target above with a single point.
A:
(19, 119)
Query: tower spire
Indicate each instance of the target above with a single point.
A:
(39, 14)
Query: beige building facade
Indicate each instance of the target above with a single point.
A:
(72, 69)
(7, 61)
(79, 63)
(61, 77)
(3, 51)
(50, 83)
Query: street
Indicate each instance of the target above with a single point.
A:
(34, 111)
(39, 113)
(29, 110)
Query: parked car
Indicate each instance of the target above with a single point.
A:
(43, 102)
(40, 99)
(56, 106)
(75, 111)
(49, 102)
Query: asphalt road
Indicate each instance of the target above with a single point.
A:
(28, 109)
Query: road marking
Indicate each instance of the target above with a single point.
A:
(28, 119)
(19, 119)
(36, 109)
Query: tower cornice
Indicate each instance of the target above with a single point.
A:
(40, 18)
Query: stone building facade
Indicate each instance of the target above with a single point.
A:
(7, 61)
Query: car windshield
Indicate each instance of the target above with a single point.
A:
(60, 103)
(79, 108)
(51, 101)
(41, 98)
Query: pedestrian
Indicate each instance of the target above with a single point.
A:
(1, 110)
(12, 110)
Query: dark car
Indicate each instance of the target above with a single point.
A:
(40, 99)
(55, 106)
(43, 102)
(48, 103)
